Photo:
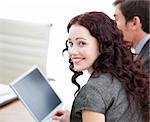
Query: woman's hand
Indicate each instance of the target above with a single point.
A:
(62, 116)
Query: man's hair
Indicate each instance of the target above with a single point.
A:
(132, 8)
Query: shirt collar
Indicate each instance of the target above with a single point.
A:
(141, 44)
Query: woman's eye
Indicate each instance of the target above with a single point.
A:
(82, 43)
(70, 44)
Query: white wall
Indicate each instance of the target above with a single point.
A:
(57, 12)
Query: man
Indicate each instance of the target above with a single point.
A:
(133, 17)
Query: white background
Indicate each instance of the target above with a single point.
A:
(58, 13)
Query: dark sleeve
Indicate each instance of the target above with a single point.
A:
(144, 56)
(104, 95)
(146, 61)
(90, 98)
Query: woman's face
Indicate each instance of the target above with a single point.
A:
(83, 48)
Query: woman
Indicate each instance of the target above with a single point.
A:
(118, 88)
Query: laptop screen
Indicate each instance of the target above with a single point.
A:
(36, 93)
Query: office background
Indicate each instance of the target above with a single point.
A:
(58, 13)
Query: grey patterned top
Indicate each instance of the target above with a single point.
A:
(104, 95)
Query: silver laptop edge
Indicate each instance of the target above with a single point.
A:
(22, 76)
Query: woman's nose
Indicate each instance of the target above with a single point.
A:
(73, 50)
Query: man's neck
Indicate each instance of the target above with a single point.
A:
(138, 37)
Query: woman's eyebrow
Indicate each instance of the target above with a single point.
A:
(78, 38)
(69, 39)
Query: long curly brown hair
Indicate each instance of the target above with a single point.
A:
(115, 58)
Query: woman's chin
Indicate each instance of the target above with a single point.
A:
(78, 69)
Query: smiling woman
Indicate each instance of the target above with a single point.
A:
(58, 13)
(83, 48)
(114, 90)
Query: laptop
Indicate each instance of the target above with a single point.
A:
(35, 92)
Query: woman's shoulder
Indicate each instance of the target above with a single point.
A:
(103, 89)
(105, 85)
(105, 80)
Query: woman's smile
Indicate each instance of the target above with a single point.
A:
(77, 60)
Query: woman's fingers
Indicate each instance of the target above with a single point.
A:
(61, 116)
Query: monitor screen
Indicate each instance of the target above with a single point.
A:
(36, 93)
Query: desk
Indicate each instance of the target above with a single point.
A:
(15, 112)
